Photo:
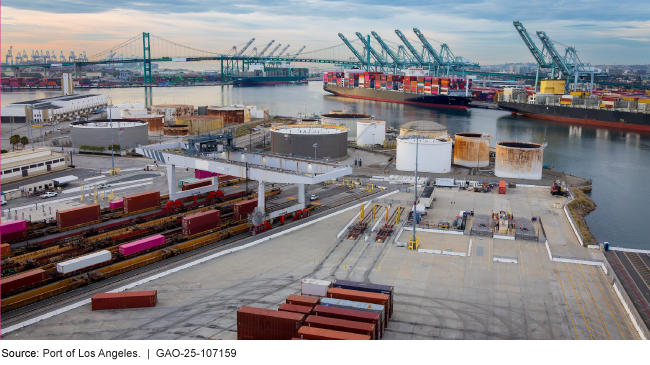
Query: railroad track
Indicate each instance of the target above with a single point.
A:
(94, 287)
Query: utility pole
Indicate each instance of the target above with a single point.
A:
(315, 146)
(415, 194)
(112, 149)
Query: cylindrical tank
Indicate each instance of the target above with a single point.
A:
(230, 114)
(472, 149)
(176, 130)
(200, 123)
(346, 120)
(522, 160)
(171, 111)
(434, 154)
(423, 128)
(155, 122)
(128, 133)
(371, 132)
(299, 139)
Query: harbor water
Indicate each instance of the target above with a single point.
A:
(618, 162)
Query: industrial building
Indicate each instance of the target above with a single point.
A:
(171, 111)
(347, 120)
(49, 110)
(371, 132)
(230, 114)
(200, 123)
(423, 128)
(472, 149)
(155, 122)
(433, 154)
(128, 133)
(523, 160)
(324, 141)
(19, 164)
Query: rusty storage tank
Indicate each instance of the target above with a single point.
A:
(128, 133)
(472, 149)
(171, 111)
(200, 123)
(522, 160)
(155, 122)
(347, 120)
(176, 130)
(423, 128)
(299, 140)
(230, 114)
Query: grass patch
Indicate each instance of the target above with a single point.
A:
(579, 208)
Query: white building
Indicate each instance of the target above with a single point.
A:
(19, 164)
(49, 110)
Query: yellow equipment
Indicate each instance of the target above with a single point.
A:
(399, 213)
(374, 210)
(414, 243)
(362, 210)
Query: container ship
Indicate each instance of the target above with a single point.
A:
(624, 110)
(259, 75)
(411, 88)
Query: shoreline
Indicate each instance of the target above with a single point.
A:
(579, 208)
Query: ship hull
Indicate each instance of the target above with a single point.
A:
(596, 117)
(433, 101)
(271, 80)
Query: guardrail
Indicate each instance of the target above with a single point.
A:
(571, 221)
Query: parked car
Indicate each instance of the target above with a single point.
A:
(103, 186)
(49, 194)
(313, 197)
(3, 202)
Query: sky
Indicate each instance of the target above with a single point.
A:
(603, 32)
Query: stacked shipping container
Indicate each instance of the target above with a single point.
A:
(312, 333)
(201, 222)
(242, 209)
(196, 184)
(142, 245)
(13, 230)
(267, 324)
(77, 216)
(14, 282)
(137, 202)
(352, 315)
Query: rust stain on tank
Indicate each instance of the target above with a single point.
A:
(472, 149)
(176, 130)
(171, 111)
(519, 160)
(155, 122)
(229, 115)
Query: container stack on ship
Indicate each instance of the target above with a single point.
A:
(413, 87)
(625, 110)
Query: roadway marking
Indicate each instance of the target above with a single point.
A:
(565, 300)
(613, 304)
(586, 307)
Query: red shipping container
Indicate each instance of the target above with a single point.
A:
(242, 209)
(5, 249)
(245, 333)
(117, 204)
(196, 184)
(14, 236)
(10, 283)
(362, 296)
(137, 202)
(269, 320)
(302, 300)
(76, 216)
(201, 222)
(342, 325)
(295, 308)
(502, 187)
(313, 333)
(141, 245)
(351, 315)
(296, 338)
(135, 299)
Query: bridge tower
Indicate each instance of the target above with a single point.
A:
(146, 57)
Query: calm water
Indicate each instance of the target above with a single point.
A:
(618, 162)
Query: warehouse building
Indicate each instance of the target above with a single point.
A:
(19, 164)
(54, 109)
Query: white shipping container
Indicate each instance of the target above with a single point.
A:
(83, 261)
(315, 287)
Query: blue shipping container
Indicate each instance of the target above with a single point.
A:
(348, 304)
(367, 287)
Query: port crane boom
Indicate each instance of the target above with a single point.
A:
(274, 49)
(354, 51)
(437, 58)
(283, 50)
(540, 57)
(246, 47)
(386, 49)
(372, 51)
(408, 45)
(265, 48)
(297, 53)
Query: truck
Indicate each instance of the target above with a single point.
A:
(427, 197)
(559, 188)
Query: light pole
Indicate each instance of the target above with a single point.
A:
(110, 116)
(315, 146)
(415, 198)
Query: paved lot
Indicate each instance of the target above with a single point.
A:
(436, 296)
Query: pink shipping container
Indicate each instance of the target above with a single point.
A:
(14, 226)
(142, 245)
(117, 204)
(200, 174)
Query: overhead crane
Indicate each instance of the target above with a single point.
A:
(375, 55)
(265, 48)
(354, 51)
(412, 49)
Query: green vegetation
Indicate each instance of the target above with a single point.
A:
(3, 151)
(115, 147)
(579, 208)
(92, 148)
(24, 141)
(14, 140)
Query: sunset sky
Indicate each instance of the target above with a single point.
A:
(480, 30)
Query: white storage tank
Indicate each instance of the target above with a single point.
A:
(347, 120)
(472, 149)
(423, 128)
(523, 160)
(371, 132)
(434, 154)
